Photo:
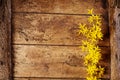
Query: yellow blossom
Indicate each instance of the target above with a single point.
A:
(91, 19)
(93, 34)
(90, 11)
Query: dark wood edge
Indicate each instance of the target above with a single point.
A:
(5, 40)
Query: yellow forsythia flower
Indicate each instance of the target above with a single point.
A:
(93, 34)
(90, 11)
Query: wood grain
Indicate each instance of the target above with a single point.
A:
(50, 79)
(43, 79)
(51, 29)
(37, 78)
(38, 23)
(54, 61)
(59, 6)
(5, 40)
(114, 19)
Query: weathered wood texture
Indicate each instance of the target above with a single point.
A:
(5, 39)
(43, 79)
(54, 61)
(49, 79)
(114, 19)
(59, 6)
(46, 41)
(51, 29)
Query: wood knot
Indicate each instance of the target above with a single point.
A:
(1, 63)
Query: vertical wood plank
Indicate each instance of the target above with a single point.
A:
(114, 23)
(5, 39)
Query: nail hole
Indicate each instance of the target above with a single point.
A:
(2, 48)
(119, 15)
(1, 63)
(116, 56)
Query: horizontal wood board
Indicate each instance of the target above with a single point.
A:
(49, 79)
(52, 29)
(54, 61)
(60, 6)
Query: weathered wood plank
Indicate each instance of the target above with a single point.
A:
(114, 19)
(43, 79)
(51, 29)
(5, 39)
(54, 61)
(37, 78)
(59, 6)
(49, 79)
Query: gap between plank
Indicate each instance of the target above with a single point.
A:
(53, 13)
(51, 45)
(58, 78)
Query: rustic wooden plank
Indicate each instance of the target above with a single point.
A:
(5, 39)
(50, 79)
(114, 19)
(51, 29)
(54, 61)
(59, 6)
(37, 78)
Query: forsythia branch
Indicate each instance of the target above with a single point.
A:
(93, 34)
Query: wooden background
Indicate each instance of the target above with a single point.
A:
(45, 42)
